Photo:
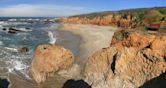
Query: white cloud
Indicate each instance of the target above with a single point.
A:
(41, 10)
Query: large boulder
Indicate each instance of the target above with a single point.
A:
(135, 62)
(49, 59)
(123, 68)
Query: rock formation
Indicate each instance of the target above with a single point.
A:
(49, 59)
(132, 39)
(118, 20)
(140, 57)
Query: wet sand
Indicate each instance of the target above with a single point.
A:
(69, 41)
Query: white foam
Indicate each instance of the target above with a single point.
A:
(24, 29)
(11, 49)
(52, 37)
(12, 20)
(16, 65)
(1, 26)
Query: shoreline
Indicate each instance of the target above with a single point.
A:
(64, 38)
(69, 41)
(93, 38)
(83, 41)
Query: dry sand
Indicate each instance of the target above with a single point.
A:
(93, 38)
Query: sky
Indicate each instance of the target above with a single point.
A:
(53, 8)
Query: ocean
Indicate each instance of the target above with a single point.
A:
(35, 31)
(17, 47)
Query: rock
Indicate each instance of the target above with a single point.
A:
(128, 63)
(110, 19)
(4, 83)
(123, 68)
(132, 39)
(76, 84)
(23, 50)
(13, 31)
(49, 59)
(72, 73)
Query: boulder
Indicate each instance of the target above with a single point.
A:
(129, 63)
(49, 59)
(123, 68)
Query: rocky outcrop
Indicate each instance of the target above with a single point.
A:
(132, 39)
(49, 59)
(124, 21)
(140, 57)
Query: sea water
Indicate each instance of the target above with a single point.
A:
(37, 32)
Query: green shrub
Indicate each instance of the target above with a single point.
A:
(163, 11)
(139, 17)
(153, 16)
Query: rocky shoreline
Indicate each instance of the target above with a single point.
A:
(124, 59)
(127, 62)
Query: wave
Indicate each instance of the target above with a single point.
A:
(3, 23)
(6, 23)
(52, 37)
(24, 29)
(11, 49)
(15, 62)
(19, 67)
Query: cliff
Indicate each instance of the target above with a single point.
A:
(131, 18)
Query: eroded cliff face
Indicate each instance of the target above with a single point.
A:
(124, 21)
(128, 62)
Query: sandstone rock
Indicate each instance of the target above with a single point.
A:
(110, 19)
(123, 68)
(128, 63)
(133, 39)
(49, 59)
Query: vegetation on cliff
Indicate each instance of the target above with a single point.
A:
(130, 18)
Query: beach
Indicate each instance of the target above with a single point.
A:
(93, 38)
(83, 41)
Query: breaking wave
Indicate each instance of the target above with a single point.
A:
(52, 37)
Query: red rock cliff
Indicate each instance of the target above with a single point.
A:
(117, 20)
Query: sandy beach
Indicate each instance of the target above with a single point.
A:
(93, 38)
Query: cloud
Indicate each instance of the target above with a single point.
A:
(26, 10)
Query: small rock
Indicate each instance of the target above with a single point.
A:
(23, 50)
